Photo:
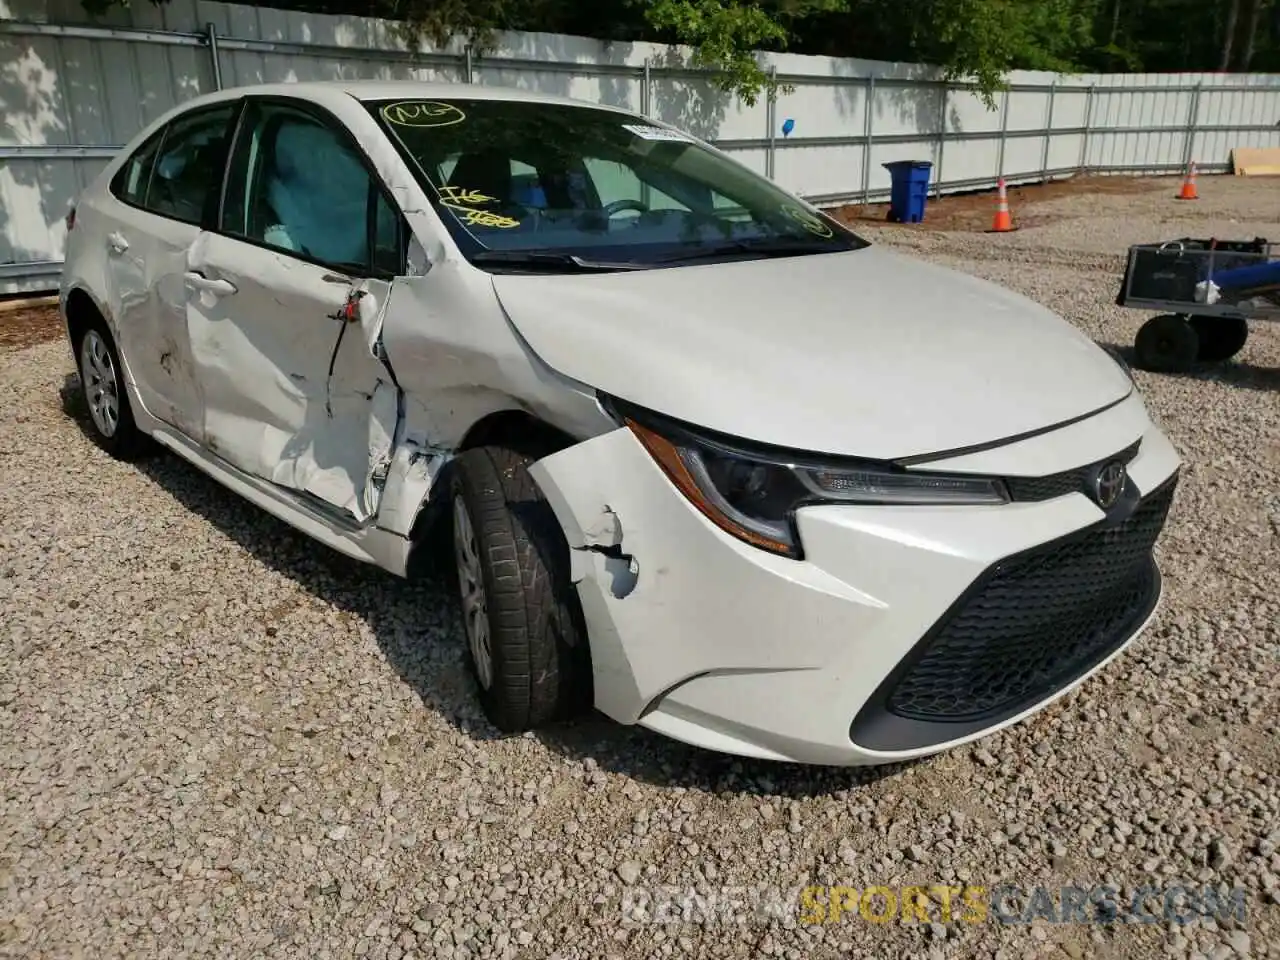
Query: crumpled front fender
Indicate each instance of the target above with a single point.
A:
(666, 594)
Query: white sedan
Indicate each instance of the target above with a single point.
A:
(707, 460)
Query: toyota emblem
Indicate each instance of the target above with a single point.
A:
(1109, 484)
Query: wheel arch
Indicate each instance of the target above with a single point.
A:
(512, 427)
(517, 429)
(79, 310)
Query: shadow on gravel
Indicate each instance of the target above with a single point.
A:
(1247, 376)
(418, 630)
(642, 755)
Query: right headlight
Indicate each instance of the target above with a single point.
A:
(753, 494)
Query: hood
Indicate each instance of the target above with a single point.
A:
(866, 353)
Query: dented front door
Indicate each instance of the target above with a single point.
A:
(284, 352)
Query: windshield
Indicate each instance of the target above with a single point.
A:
(543, 183)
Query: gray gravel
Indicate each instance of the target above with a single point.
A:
(217, 739)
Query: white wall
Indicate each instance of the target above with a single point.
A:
(66, 100)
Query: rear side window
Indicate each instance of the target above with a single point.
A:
(187, 174)
(298, 184)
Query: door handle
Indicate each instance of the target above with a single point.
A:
(117, 242)
(219, 288)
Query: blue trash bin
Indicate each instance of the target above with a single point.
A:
(909, 189)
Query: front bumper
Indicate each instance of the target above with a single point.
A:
(852, 655)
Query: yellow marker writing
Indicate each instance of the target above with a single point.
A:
(809, 221)
(483, 218)
(463, 195)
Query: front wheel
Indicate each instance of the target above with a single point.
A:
(1166, 344)
(526, 642)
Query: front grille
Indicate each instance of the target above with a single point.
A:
(1075, 480)
(1035, 622)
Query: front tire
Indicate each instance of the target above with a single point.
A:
(102, 379)
(526, 642)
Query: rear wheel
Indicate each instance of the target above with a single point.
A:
(1166, 344)
(1219, 338)
(525, 640)
(102, 378)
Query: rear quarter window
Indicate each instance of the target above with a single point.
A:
(130, 181)
(187, 175)
(177, 172)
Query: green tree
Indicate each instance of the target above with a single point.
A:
(726, 34)
(983, 40)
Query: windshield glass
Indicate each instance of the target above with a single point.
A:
(575, 184)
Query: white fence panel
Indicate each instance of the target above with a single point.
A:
(74, 88)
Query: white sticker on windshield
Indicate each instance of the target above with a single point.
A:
(645, 132)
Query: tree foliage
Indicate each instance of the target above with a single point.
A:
(726, 35)
(974, 40)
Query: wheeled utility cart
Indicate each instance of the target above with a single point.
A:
(1207, 290)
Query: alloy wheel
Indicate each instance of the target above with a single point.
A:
(101, 386)
(475, 613)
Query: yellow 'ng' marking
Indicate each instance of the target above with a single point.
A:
(809, 221)
(422, 113)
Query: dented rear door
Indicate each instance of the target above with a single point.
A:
(165, 193)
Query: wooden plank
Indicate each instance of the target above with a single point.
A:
(1255, 161)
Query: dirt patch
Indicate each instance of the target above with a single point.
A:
(973, 212)
(24, 323)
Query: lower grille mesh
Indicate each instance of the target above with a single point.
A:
(1036, 621)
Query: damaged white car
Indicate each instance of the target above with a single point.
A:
(708, 460)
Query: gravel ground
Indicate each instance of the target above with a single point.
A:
(29, 321)
(218, 739)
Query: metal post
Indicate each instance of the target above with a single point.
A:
(1004, 130)
(211, 33)
(866, 139)
(942, 140)
(1193, 117)
(646, 108)
(1088, 122)
(468, 66)
(771, 114)
(1048, 134)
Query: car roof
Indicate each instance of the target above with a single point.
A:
(396, 89)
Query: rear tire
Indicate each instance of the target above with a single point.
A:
(1166, 344)
(1219, 338)
(527, 645)
(105, 394)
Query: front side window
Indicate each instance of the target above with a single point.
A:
(511, 177)
(187, 174)
(298, 184)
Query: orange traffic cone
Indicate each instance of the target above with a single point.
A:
(1003, 222)
(1188, 191)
